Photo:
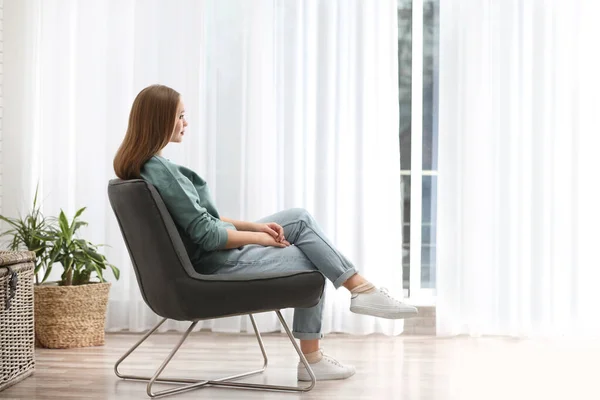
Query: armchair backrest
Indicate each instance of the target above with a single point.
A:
(157, 252)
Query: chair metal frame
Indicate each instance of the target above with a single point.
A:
(191, 384)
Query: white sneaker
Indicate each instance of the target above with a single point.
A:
(326, 369)
(379, 303)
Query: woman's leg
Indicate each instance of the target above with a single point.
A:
(310, 250)
(255, 259)
(354, 281)
(307, 321)
(310, 346)
(301, 230)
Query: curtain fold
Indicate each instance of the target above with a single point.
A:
(291, 104)
(518, 205)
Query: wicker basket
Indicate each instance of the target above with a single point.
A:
(70, 316)
(17, 360)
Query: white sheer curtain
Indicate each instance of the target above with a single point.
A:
(290, 104)
(519, 139)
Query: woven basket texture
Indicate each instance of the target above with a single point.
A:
(17, 358)
(70, 316)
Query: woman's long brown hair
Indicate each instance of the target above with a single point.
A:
(151, 123)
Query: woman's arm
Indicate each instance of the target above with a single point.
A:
(241, 225)
(237, 239)
(271, 228)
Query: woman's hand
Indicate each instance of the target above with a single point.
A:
(266, 239)
(273, 229)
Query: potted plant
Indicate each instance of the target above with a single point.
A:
(71, 312)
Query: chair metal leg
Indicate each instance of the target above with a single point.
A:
(182, 380)
(260, 342)
(190, 384)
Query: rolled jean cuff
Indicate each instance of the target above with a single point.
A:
(307, 336)
(344, 277)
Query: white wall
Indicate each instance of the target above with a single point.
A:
(1, 90)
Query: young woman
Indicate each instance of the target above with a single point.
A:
(290, 240)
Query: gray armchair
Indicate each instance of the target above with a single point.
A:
(174, 290)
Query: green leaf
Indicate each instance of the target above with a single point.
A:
(44, 236)
(115, 271)
(99, 273)
(74, 223)
(10, 232)
(63, 223)
(11, 221)
(47, 274)
(78, 225)
(14, 245)
(55, 252)
(97, 257)
(37, 249)
(80, 257)
(78, 213)
(37, 186)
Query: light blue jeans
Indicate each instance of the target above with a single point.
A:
(310, 250)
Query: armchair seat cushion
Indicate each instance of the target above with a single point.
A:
(222, 295)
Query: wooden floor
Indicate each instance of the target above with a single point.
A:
(405, 367)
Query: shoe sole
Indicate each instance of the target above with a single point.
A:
(377, 312)
(325, 377)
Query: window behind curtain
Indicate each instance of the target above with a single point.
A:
(418, 39)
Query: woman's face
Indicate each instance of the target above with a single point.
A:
(180, 124)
